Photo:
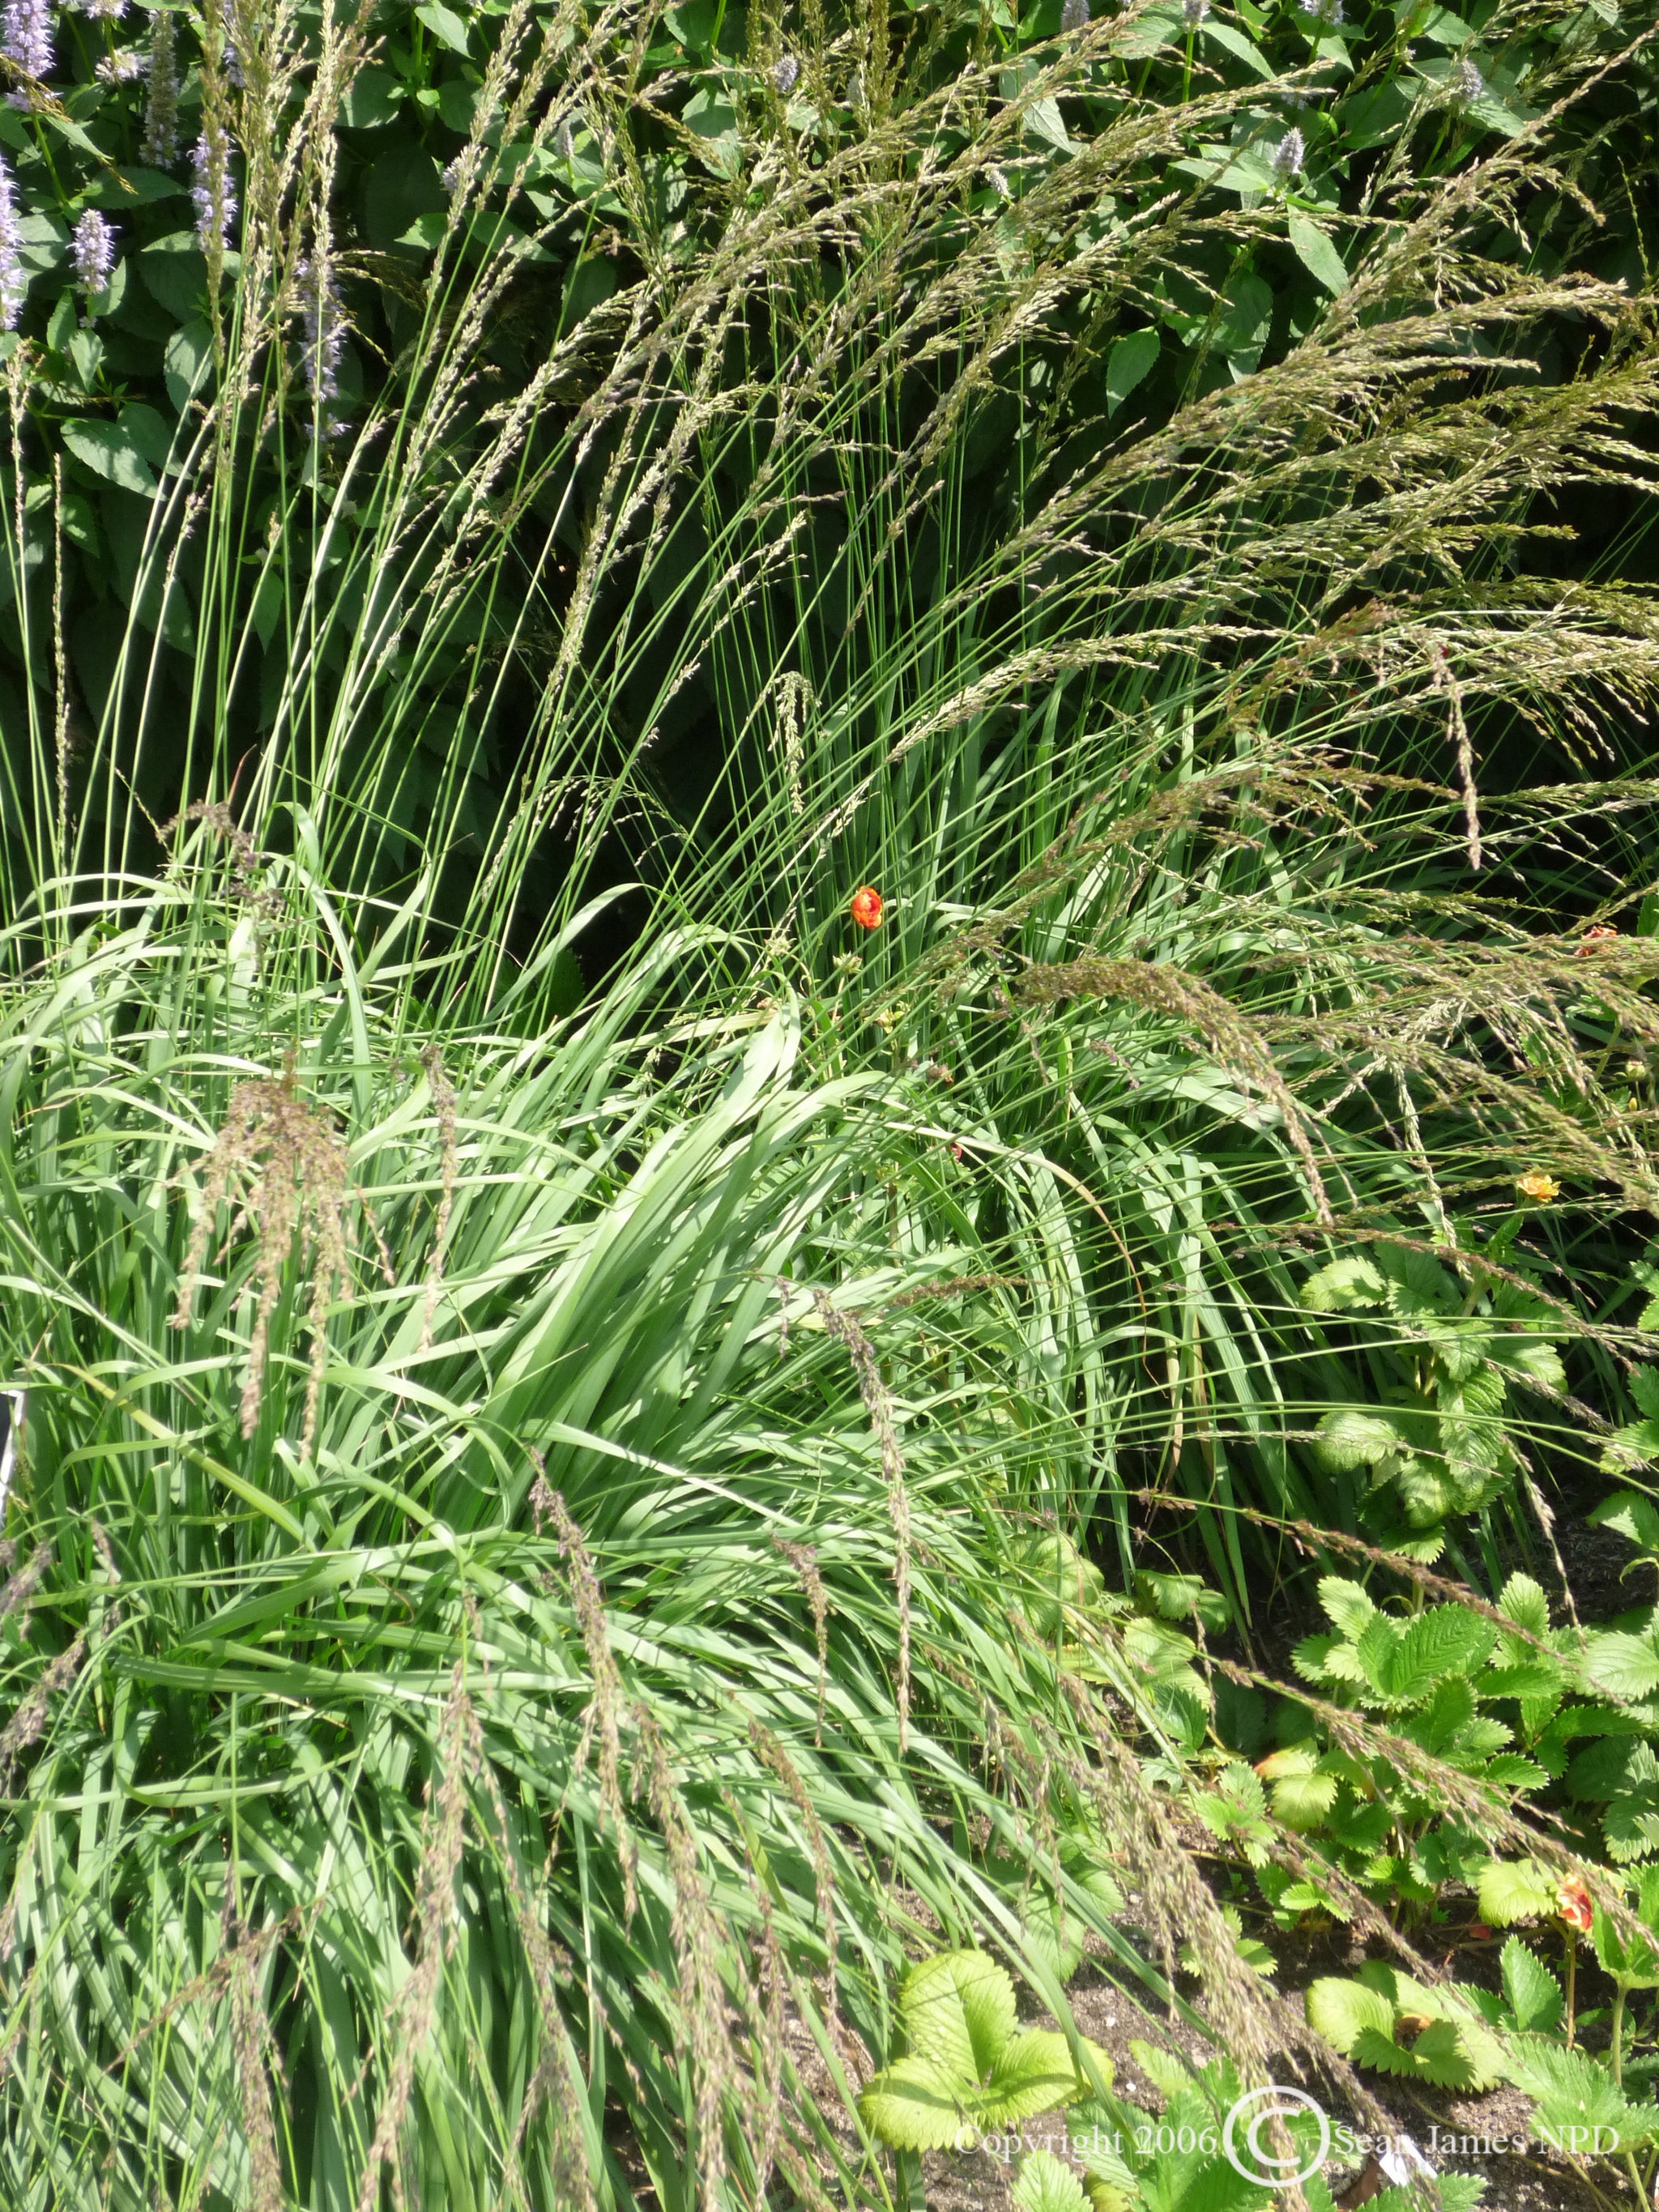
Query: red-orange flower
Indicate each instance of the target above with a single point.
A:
(865, 908)
(1597, 934)
(1572, 1903)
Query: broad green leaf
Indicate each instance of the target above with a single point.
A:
(935, 2019)
(1131, 360)
(1317, 255)
(187, 362)
(1341, 2010)
(910, 2106)
(1574, 2092)
(1043, 120)
(444, 24)
(110, 452)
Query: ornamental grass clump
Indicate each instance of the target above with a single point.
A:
(1024, 492)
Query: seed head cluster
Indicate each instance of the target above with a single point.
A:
(285, 1158)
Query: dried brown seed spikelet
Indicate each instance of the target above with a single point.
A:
(256, 2048)
(442, 1834)
(26, 1723)
(697, 1931)
(1229, 1035)
(879, 1406)
(804, 1561)
(298, 1169)
(772, 1755)
(549, 1964)
(602, 1714)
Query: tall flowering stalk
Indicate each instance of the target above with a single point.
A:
(324, 329)
(13, 281)
(161, 148)
(212, 191)
(25, 37)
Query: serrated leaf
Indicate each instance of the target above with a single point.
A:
(1574, 2092)
(1515, 1889)
(1044, 2184)
(1626, 1665)
(958, 2010)
(1522, 1601)
(1345, 1286)
(1444, 1641)
(1302, 1800)
(910, 2107)
(1534, 1994)
(1162, 2067)
(1346, 1605)
(1033, 2073)
(1452, 2055)
(1341, 2011)
(1633, 1517)
(1634, 1959)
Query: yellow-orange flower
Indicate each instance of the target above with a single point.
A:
(865, 908)
(1597, 934)
(1538, 1186)
(1572, 1903)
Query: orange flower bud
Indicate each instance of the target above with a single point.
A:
(866, 907)
(1597, 934)
(1572, 1903)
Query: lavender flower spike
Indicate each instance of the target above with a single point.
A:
(1290, 154)
(92, 251)
(784, 73)
(105, 11)
(13, 281)
(325, 332)
(212, 192)
(1468, 84)
(1074, 15)
(1193, 12)
(25, 35)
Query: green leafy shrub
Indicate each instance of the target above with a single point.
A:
(1438, 1435)
(967, 2068)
